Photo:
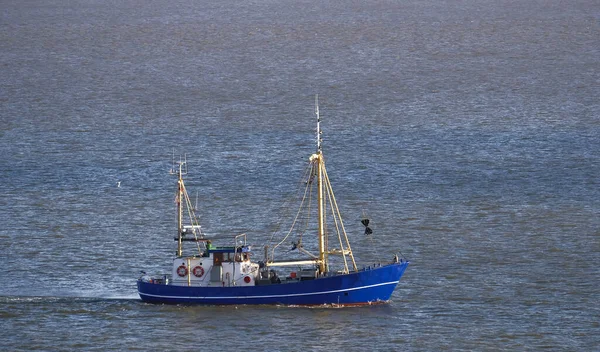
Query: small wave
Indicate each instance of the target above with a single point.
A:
(134, 297)
(70, 298)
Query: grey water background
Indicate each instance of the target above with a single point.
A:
(469, 131)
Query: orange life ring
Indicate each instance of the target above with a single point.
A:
(182, 270)
(198, 271)
(247, 279)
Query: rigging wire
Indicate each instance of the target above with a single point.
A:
(193, 218)
(337, 218)
(286, 203)
(336, 210)
(308, 186)
(310, 193)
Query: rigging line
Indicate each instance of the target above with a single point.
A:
(309, 206)
(295, 219)
(308, 214)
(192, 216)
(286, 206)
(402, 254)
(336, 218)
(187, 204)
(341, 221)
(325, 229)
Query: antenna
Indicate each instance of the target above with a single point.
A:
(181, 168)
(318, 123)
(172, 171)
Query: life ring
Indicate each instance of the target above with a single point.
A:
(247, 279)
(198, 271)
(182, 270)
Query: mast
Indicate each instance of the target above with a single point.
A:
(325, 198)
(318, 157)
(180, 191)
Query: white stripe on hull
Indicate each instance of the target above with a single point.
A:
(273, 296)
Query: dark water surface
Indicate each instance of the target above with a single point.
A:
(468, 130)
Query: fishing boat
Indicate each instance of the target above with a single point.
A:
(227, 274)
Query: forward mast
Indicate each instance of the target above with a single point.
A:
(180, 169)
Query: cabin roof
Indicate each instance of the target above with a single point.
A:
(242, 249)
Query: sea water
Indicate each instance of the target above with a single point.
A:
(468, 132)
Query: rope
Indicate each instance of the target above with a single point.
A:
(308, 186)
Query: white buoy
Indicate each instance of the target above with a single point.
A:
(119, 184)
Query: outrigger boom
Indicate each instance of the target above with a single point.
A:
(293, 263)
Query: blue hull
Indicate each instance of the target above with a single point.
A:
(363, 287)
